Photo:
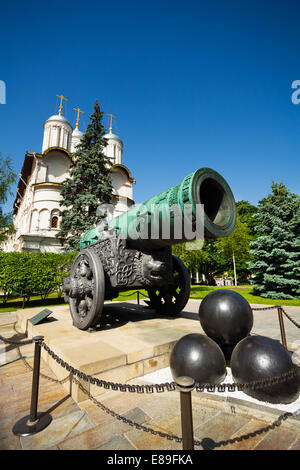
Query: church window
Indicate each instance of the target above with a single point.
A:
(54, 222)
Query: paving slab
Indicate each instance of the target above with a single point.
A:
(84, 425)
(62, 428)
(277, 439)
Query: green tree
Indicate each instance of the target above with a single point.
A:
(199, 260)
(26, 274)
(276, 250)
(233, 252)
(88, 185)
(247, 214)
(7, 178)
(191, 258)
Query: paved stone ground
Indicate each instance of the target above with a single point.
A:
(86, 426)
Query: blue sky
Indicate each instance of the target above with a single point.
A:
(193, 84)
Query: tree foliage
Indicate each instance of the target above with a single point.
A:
(236, 245)
(199, 260)
(89, 184)
(247, 213)
(216, 256)
(7, 178)
(27, 274)
(276, 250)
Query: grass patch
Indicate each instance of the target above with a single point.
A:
(197, 292)
(35, 301)
(53, 300)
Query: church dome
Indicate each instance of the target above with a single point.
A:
(114, 148)
(76, 138)
(111, 136)
(58, 118)
(57, 133)
(77, 133)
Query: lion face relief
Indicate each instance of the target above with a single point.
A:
(155, 271)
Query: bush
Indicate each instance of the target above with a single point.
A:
(27, 274)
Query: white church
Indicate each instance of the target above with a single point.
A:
(36, 207)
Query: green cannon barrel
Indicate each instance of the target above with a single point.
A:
(163, 220)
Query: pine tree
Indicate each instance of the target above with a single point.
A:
(89, 184)
(276, 250)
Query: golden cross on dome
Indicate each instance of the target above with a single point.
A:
(61, 100)
(77, 119)
(111, 118)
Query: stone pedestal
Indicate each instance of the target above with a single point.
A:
(130, 342)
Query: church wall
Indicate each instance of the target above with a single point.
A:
(34, 224)
(41, 172)
(57, 167)
(120, 207)
(121, 184)
(23, 216)
(46, 198)
(44, 219)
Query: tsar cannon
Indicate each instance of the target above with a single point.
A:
(133, 250)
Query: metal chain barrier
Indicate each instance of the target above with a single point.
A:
(10, 341)
(135, 292)
(50, 379)
(275, 424)
(265, 308)
(291, 319)
(27, 365)
(170, 386)
(123, 418)
(213, 444)
(278, 306)
(159, 388)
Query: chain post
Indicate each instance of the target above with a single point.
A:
(281, 324)
(185, 385)
(138, 297)
(34, 422)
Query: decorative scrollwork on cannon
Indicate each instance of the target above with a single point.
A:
(119, 257)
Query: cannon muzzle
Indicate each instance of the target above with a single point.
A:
(162, 220)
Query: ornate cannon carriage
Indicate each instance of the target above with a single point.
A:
(133, 250)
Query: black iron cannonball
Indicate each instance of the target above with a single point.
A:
(260, 358)
(198, 357)
(225, 316)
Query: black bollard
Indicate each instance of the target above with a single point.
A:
(34, 422)
(185, 385)
(281, 324)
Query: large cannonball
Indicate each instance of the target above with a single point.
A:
(226, 317)
(198, 357)
(260, 358)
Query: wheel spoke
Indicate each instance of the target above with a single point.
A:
(88, 288)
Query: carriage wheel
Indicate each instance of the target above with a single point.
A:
(171, 300)
(86, 284)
